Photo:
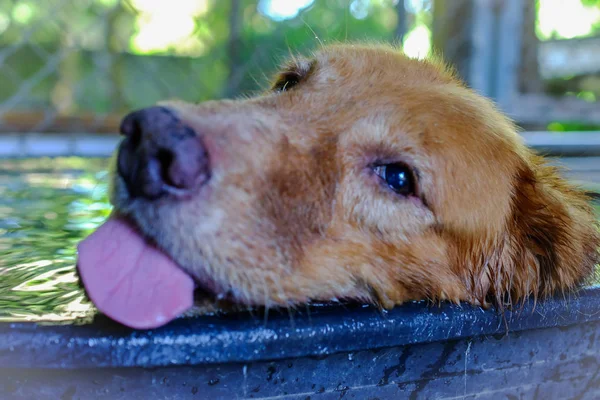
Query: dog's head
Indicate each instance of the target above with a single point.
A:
(361, 174)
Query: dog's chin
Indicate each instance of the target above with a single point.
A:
(205, 287)
(209, 294)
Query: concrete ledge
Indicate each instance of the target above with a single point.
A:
(102, 145)
(239, 337)
(551, 363)
(564, 143)
(31, 145)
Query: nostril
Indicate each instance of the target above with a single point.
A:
(165, 159)
(182, 166)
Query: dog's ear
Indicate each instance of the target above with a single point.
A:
(552, 238)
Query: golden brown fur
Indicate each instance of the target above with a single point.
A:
(293, 211)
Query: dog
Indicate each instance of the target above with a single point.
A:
(361, 174)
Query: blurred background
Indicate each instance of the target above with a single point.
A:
(70, 69)
(79, 65)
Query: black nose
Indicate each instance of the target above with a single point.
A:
(160, 155)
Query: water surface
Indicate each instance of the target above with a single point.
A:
(46, 207)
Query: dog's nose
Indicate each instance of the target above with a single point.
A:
(160, 155)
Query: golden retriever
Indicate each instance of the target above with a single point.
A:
(362, 174)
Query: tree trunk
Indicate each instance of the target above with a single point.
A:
(114, 60)
(233, 48)
(452, 32)
(530, 81)
(401, 26)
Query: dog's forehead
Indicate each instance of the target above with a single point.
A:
(355, 55)
(384, 63)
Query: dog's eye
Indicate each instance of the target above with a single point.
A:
(399, 177)
(286, 81)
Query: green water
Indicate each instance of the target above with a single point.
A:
(46, 207)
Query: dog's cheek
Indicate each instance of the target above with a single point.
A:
(365, 268)
(424, 270)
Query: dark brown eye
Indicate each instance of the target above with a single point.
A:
(399, 177)
(286, 81)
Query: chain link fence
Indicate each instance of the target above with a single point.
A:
(78, 65)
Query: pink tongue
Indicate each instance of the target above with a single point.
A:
(131, 281)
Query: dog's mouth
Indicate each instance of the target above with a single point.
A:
(130, 280)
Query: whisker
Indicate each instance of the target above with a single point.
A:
(308, 314)
(266, 302)
(290, 311)
(266, 316)
(313, 31)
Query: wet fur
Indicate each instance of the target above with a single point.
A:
(294, 213)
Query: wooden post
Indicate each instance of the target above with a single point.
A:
(508, 60)
(529, 76)
(233, 48)
(452, 32)
(401, 26)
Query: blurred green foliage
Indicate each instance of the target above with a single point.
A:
(71, 56)
(83, 56)
(572, 127)
(595, 3)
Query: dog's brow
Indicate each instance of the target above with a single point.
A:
(301, 67)
(296, 69)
